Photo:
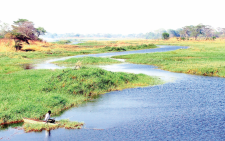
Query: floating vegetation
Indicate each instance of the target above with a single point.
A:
(65, 123)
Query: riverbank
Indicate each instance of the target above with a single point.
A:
(201, 58)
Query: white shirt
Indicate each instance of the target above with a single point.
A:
(47, 116)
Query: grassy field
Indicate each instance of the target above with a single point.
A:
(87, 61)
(201, 58)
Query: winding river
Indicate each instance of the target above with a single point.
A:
(186, 107)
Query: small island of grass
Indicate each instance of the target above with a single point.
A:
(87, 61)
(67, 124)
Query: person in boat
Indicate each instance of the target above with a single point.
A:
(47, 118)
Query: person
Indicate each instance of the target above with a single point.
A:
(47, 118)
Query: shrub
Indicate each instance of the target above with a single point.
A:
(182, 38)
(165, 36)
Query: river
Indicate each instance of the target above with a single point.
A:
(186, 107)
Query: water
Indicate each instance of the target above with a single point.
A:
(187, 107)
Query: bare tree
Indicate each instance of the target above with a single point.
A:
(23, 32)
(26, 29)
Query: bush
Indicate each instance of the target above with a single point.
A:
(182, 38)
(165, 36)
(63, 42)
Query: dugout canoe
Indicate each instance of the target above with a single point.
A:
(35, 121)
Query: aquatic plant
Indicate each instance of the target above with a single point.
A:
(66, 123)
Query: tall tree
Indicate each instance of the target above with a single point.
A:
(196, 30)
(23, 31)
(26, 29)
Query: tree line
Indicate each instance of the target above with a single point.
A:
(22, 30)
(199, 31)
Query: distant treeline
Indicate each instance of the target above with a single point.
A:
(197, 32)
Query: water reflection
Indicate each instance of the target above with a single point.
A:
(47, 134)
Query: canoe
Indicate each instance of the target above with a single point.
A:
(35, 121)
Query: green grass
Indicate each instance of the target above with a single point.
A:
(87, 61)
(29, 127)
(63, 42)
(201, 58)
(9, 65)
(93, 81)
(92, 43)
(31, 93)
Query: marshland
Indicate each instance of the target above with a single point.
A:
(33, 91)
(108, 71)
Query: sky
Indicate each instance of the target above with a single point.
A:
(113, 16)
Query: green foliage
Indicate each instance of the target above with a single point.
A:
(63, 42)
(183, 38)
(89, 81)
(20, 21)
(40, 31)
(1, 37)
(88, 61)
(115, 48)
(165, 36)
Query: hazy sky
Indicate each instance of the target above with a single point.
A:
(113, 16)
